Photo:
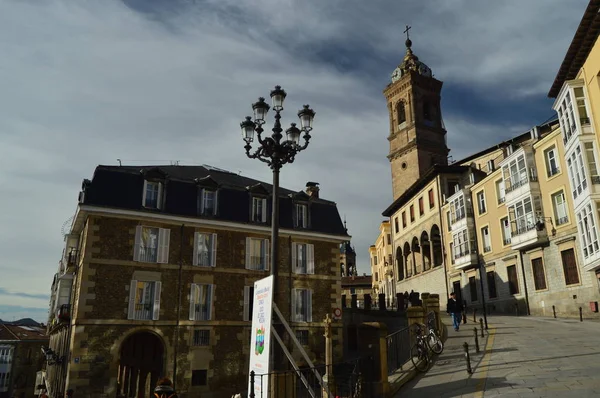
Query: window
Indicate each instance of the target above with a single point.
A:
(302, 336)
(481, 202)
(412, 213)
(375, 259)
(376, 277)
(257, 254)
(566, 118)
(396, 227)
(458, 209)
(515, 173)
(403, 219)
(151, 244)
(431, 199)
(152, 196)
(448, 221)
(539, 277)
(591, 162)
(199, 377)
(505, 226)
(389, 239)
(491, 283)
(301, 216)
(473, 288)
(500, 191)
(581, 109)
(207, 202)
(569, 267)
(302, 304)
(560, 208)
(577, 172)
(201, 297)
(144, 300)
(551, 161)
(421, 206)
(513, 282)
(486, 240)
(205, 249)
(461, 244)
(5, 354)
(248, 302)
(400, 112)
(303, 258)
(201, 337)
(587, 231)
(522, 216)
(259, 209)
(5, 380)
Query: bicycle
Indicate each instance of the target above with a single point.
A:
(419, 352)
(434, 342)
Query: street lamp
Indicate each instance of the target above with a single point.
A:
(275, 151)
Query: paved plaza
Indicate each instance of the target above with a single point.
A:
(520, 357)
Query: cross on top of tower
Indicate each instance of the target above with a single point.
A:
(408, 42)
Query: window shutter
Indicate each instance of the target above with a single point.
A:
(132, 292)
(195, 258)
(214, 250)
(247, 314)
(267, 253)
(193, 295)
(308, 305)
(294, 257)
(201, 209)
(164, 235)
(144, 193)
(137, 242)
(310, 258)
(294, 308)
(159, 199)
(156, 312)
(264, 212)
(216, 202)
(248, 253)
(209, 300)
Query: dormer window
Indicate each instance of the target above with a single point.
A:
(301, 220)
(152, 197)
(259, 209)
(208, 202)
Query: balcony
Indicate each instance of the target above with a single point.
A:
(64, 313)
(465, 259)
(143, 311)
(528, 235)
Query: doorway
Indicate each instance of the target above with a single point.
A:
(140, 365)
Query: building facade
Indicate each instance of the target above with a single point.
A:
(167, 257)
(382, 262)
(20, 359)
(359, 286)
(514, 226)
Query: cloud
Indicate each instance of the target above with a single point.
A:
(7, 292)
(84, 83)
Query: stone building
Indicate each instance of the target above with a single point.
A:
(20, 359)
(514, 225)
(382, 262)
(162, 282)
(359, 285)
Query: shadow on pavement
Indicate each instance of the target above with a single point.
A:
(542, 359)
(455, 388)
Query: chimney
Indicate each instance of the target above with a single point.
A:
(312, 189)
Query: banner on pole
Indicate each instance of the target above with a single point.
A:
(260, 340)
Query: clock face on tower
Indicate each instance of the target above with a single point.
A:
(397, 74)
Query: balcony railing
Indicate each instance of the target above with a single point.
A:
(524, 228)
(501, 200)
(562, 220)
(143, 311)
(257, 263)
(487, 249)
(463, 253)
(519, 183)
(553, 171)
(459, 215)
(72, 258)
(64, 313)
(148, 254)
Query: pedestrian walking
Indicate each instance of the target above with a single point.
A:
(454, 308)
(164, 389)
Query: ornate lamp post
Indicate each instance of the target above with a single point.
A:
(275, 151)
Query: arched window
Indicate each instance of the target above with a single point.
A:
(400, 112)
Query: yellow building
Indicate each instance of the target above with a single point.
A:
(382, 262)
(515, 226)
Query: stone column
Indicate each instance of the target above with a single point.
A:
(424, 297)
(367, 302)
(414, 315)
(328, 377)
(433, 304)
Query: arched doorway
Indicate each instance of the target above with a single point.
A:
(399, 263)
(436, 244)
(416, 249)
(140, 364)
(426, 251)
(408, 260)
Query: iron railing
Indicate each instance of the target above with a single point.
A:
(148, 254)
(143, 311)
(398, 349)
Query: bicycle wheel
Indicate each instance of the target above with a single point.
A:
(419, 357)
(434, 343)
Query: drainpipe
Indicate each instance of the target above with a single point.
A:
(479, 265)
(439, 189)
(524, 282)
(176, 342)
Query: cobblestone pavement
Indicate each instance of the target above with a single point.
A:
(520, 357)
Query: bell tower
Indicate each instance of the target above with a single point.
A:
(417, 134)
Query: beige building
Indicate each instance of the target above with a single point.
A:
(515, 225)
(382, 263)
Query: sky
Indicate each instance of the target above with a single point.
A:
(88, 82)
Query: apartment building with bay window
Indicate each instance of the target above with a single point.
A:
(158, 272)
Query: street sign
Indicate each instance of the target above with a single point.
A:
(260, 341)
(337, 313)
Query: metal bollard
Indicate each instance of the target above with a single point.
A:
(481, 324)
(580, 314)
(468, 358)
(252, 395)
(476, 340)
(554, 311)
(474, 314)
